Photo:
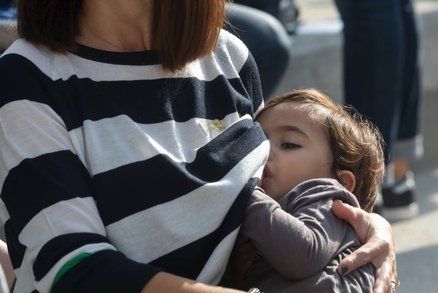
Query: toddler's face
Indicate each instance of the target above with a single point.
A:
(299, 149)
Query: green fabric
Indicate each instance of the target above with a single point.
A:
(71, 263)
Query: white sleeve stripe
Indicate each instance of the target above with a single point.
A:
(29, 129)
(83, 210)
(216, 264)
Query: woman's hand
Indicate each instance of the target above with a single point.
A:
(376, 234)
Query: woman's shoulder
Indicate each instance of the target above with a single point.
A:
(25, 61)
(230, 40)
(26, 70)
(23, 51)
(232, 46)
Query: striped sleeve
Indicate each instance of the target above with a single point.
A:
(42, 179)
(46, 180)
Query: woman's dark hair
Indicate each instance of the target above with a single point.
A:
(356, 143)
(184, 30)
(52, 23)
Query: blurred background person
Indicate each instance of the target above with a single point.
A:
(7, 10)
(381, 80)
(264, 26)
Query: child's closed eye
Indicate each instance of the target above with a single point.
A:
(289, 145)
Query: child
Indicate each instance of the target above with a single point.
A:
(320, 152)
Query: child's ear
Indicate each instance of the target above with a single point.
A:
(347, 179)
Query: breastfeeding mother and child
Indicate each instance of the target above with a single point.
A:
(129, 155)
(340, 157)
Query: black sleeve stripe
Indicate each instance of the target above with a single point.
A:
(60, 246)
(41, 182)
(250, 78)
(16, 250)
(105, 271)
(149, 98)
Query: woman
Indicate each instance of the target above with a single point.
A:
(119, 100)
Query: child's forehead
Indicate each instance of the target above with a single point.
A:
(313, 110)
(282, 115)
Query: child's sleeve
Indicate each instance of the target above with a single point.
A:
(299, 235)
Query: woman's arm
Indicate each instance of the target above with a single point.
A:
(376, 234)
(6, 264)
(161, 282)
(167, 283)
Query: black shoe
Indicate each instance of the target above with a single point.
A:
(288, 14)
(398, 201)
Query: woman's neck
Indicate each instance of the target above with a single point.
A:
(117, 25)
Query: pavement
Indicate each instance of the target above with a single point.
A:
(316, 62)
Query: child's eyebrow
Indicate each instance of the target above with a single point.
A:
(293, 128)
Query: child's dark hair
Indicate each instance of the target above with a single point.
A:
(355, 142)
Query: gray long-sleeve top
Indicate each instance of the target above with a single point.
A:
(301, 241)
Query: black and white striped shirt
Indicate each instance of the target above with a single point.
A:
(112, 169)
